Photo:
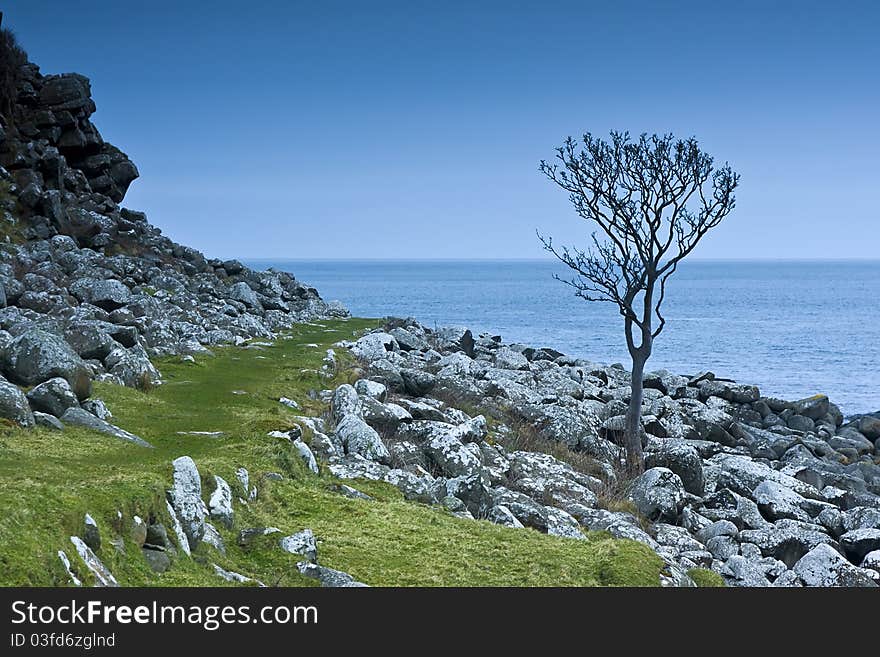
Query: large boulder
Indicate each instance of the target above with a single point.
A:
(133, 367)
(824, 566)
(345, 402)
(36, 356)
(90, 340)
(777, 502)
(682, 459)
(358, 437)
(14, 405)
(815, 407)
(786, 540)
(243, 293)
(53, 396)
(451, 456)
(658, 494)
(108, 294)
(859, 542)
(374, 346)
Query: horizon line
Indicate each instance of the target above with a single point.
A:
(759, 260)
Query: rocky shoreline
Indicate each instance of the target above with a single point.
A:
(760, 490)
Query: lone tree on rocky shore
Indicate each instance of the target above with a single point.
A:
(653, 200)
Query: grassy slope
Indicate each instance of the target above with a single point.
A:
(49, 480)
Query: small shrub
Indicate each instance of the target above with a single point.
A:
(706, 578)
(145, 382)
(525, 437)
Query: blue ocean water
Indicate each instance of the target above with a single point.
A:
(792, 328)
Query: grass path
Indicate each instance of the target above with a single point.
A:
(49, 480)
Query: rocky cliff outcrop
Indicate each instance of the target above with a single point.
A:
(90, 289)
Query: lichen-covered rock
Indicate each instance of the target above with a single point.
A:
(53, 396)
(302, 543)
(658, 494)
(360, 438)
(185, 497)
(824, 566)
(305, 453)
(108, 294)
(501, 515)
(14, 405)
(682, 459)
(220, 503)
(37, 356)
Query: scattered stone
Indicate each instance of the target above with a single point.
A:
(327, 576)
(103, 577)
(186, 498)
(91, 534)
(302, 544)
(220, 503)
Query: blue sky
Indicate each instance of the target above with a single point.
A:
(389, 130)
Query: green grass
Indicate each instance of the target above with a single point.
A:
(706, 578)
(49, 480)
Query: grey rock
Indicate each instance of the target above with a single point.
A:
(36, 356)
(722, 547)
(682, 459)
(103, 576)
(14, 405)
(47, 421)
(786, 540)
(824, 566)
(185, 497)
(220, 503)
(372, 389)
(355, 466)
(360, 438)
(739, 571)
(501, 515)
(158, 560)
(560, 523)
(859, 542)
(327, 576)
(345, 402)
(82, 418)
(414, 487)
(91, 533)
(718, 528)
(302, 543)
(777, 502)
(53, 396)
(658, 494)
(305, 453)
(374, 346)
(108, 294)
(353, 493)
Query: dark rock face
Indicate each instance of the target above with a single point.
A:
(90, 289)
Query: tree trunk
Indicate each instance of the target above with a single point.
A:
(633, 433)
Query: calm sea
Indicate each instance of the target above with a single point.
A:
(793, 328)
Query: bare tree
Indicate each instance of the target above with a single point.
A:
(653, 200)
